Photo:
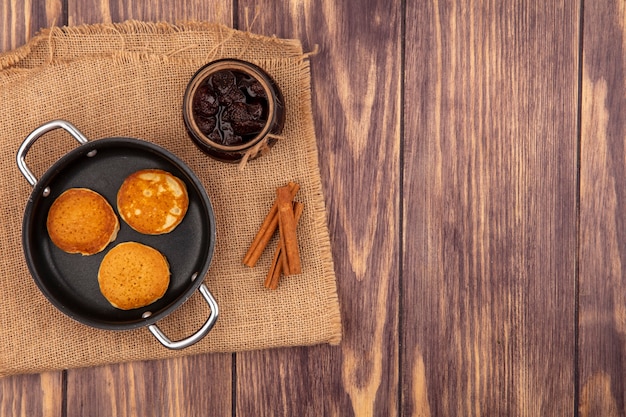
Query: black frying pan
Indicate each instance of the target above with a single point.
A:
(70, 281)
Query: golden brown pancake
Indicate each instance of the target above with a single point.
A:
(81, 221)
(152, 201)
(133, 275)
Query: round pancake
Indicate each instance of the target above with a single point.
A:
(133, 275)
(81, 221)
(152, 201)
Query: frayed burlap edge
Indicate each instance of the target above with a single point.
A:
(48, 36)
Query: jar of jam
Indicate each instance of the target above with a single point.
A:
(233, 110)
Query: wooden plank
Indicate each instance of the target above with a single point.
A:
(198, 385)
(356, 82)
(490, 171)
(19, 21)
(602, 315)
(172, 11)
(190, 386)
(32, 395)
(29, 395)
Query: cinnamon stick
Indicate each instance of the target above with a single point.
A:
(284, 266)
(267, 229)
(287, 230)
(276, 268)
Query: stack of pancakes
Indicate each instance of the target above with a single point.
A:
(131, 275)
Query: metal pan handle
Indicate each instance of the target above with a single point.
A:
(206, 327)
(36, 134)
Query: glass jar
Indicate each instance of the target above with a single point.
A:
(233, 110)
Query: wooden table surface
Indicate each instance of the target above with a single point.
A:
(474, 167)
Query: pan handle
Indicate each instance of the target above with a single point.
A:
(206, 327)
(36, 134)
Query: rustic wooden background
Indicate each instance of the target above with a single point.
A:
(473, 160)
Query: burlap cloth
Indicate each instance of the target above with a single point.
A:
(128, 80)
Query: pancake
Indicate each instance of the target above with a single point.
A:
(81, 221)
(133, 275)
(152, 201)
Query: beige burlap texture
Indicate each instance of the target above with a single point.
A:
(128, 80)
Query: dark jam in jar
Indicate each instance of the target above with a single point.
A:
(233, 110)
(230, 107)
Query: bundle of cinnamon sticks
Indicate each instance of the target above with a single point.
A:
(284, 216)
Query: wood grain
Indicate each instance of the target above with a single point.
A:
(199, 385)
(602, 215)
(490, 180)
(104, 11)
(20, 20)
(356, 80)
(32, 395)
